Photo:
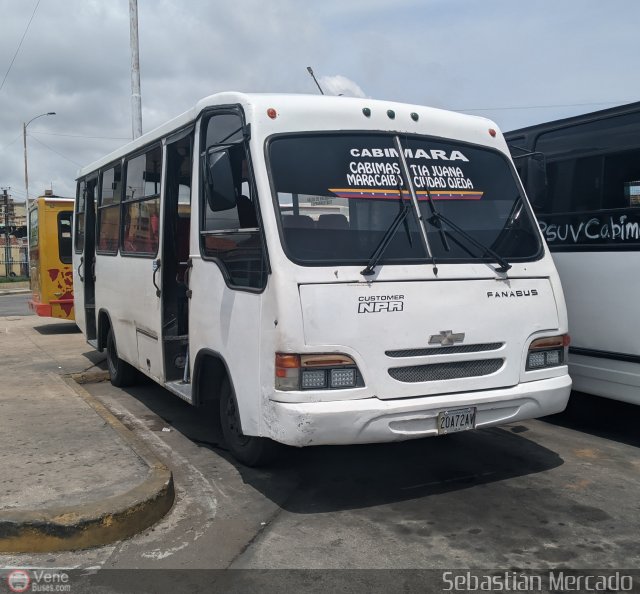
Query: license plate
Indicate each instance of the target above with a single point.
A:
(459, 419)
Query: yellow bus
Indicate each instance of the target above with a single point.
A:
(51, 274)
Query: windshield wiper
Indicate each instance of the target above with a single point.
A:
(387, 237)
(400, 217)
(436, 220)
(406, 177)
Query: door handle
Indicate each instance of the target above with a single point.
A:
(187, 277)
(79, 267)
(156, 267)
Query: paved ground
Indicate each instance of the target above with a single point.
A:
(555, 493)
(63, 464)
(542, 494)
(14, 304)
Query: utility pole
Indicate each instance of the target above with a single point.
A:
(136, 97)
(7, 248)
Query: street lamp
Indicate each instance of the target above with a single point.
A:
(24, 141)
(26, 184)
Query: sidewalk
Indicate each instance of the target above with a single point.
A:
(73, 475)
(15, 288)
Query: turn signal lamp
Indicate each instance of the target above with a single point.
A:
(315, 372)
(548, 352)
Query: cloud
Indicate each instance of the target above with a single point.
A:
(340, 85)
(457, 54)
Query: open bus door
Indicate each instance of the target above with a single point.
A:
(85, 258)
(175, 264)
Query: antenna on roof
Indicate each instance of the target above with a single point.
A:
(310, 71)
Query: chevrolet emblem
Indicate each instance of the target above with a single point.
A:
(446, 338)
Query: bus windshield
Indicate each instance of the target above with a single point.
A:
(338, 193)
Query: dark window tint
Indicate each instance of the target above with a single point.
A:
(223, 129)
(85, 204)
(64, 236)
(81, 200)
(337, 195)
(587, 184)
(575, 184)
(621, 186)
(229, 225)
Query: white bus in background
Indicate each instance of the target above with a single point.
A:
(325, 270)
(583, 177)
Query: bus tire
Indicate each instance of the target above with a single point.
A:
(121, 373)
(249, 450)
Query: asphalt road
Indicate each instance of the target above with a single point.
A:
(14, 305)
(554, 493)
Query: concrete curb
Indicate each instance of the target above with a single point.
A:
(103, 522)
(14, 291)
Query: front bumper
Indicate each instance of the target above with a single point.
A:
(371, 420)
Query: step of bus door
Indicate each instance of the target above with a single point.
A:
(176, 357)
(180, 389)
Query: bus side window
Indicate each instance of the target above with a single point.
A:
(64, 236)
(622, 179)
(33, 228)
(141, 204)
(109, 210)
(230, 230)
(560, 179)
(80, 202)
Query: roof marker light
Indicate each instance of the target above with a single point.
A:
(492, 133)
(414, 116)
(391, 114)
(366, 111)
(272, 113)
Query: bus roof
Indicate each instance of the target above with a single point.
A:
(295, 113)
(52, 198)
(578, 119)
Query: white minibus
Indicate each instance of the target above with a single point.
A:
(583, 177)
(325, 270)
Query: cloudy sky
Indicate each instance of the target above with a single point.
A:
(515, 61)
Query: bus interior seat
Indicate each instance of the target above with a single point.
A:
(297, 222)
(332, 221)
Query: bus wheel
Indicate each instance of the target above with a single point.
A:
(121, 373)
(250, 450)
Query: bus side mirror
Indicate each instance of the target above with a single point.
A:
(219, 184)
(537, 181)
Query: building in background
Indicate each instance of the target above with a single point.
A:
(13, 237)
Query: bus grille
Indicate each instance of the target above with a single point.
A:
(445, 371)
(450, 350)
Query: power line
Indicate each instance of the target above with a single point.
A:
(542, 106)
(13, 191)
(82, 136)
(6, 146)
(19, 45)
(57, 153)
